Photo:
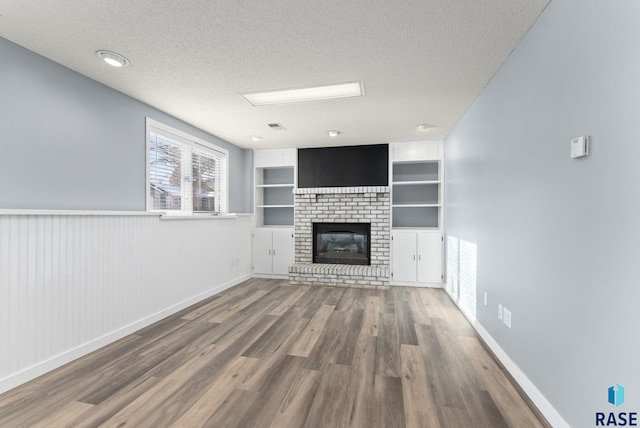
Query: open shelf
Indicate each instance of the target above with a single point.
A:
(274, 199)
(415, 171)
(416, 217)
(416, 194)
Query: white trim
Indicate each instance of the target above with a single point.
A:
(147, 169)
(538, 399)
(79, 212)
(417, 284)
(341, 190)
(270, 276)
(39, 369)
(198, 216)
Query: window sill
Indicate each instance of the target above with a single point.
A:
(203, 216)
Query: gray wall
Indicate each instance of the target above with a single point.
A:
(68, 142)
(557, 240)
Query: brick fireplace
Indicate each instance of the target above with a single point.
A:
(367, 204)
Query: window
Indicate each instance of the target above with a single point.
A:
(184, 174)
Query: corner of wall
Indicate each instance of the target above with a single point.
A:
(539, 400)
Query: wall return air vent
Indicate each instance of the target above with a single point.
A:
(276, 126)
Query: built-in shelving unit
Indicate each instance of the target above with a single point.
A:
(416, 190)
(416, 213)
(273, 201)
(274, 196)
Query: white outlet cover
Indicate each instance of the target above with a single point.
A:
(507, 317)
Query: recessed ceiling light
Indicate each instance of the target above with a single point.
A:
(256, 138)
(112, 58)
(333, 133)
(312, 93)
(424, 126)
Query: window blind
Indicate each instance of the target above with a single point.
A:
(165, 174)
(206, 181)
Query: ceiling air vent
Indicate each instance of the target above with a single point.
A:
(276, 126)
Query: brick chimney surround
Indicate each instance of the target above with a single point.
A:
(366, 204)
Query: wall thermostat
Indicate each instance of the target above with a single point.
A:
(579, 147)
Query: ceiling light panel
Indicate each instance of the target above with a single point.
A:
(313, 93)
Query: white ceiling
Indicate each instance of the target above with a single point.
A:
(421, 61)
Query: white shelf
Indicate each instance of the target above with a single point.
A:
(417, 228)
(405, 183)
(415, 205)
(275, 185)
(274, 206)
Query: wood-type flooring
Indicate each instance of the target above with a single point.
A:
(268, 354)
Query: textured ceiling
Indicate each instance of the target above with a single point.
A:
(421, 61)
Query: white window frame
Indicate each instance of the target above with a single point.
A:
(188, 142)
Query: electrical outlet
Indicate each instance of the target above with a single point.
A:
(499, 312)
(486, 298)
(506, 316)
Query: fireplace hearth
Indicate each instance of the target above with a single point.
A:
(342, 243)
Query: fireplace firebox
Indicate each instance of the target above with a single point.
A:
(342, 243)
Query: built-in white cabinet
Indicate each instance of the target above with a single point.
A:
(417, 257)
(272, 250)
(416, 212)
(274, 182)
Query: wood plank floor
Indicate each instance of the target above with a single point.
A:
(269, 354)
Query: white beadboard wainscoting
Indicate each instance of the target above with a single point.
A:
(71, 283)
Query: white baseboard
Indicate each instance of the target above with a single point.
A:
(269, 276)
(417, 284)
(539, 400)
(59, 360)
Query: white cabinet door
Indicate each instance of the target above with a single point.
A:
(262, 247)
(282, 251)
(404, 256)
(429, 257)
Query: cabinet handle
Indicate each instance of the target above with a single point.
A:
(414, 257)
(269, 252)
(419, 257)
(274, 252)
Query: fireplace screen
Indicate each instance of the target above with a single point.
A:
(342, 243)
